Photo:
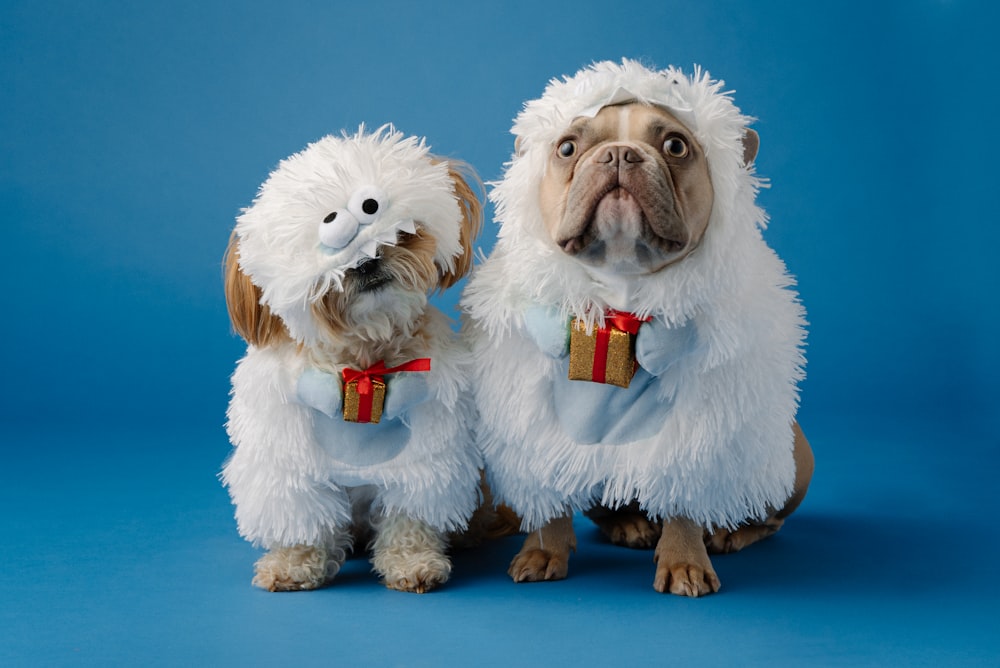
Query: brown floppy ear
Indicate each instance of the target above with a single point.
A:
(251, 319)
(751, 142)
(472, 218)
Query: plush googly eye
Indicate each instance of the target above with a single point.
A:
(367, 203)
(675, 147)
(567, 149)
(337, 229)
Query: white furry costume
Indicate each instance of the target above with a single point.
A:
(297, 465)
(712, 437)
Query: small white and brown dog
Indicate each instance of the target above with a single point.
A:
(629, 208)
(328, 275)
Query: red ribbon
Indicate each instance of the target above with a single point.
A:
(626, 322)
(378, 371)
(620, 320)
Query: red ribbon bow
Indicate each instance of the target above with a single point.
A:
(378, 371)
(626, 322)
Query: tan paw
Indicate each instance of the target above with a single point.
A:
(631, 530)
(627, 526)
(723, 541)
(536, 565)
(685, 579)
(297, 568)
(419, 577)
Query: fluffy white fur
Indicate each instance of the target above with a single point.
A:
(724, 452)
(299, 478)
(286, 261)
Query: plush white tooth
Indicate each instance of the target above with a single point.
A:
(370, 248)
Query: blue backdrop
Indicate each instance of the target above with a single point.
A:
(131, 134)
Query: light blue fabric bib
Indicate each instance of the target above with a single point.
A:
(595, 413)
(354, 443)
(360, 444)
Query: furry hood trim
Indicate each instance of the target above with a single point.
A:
(329, 207)
(553, 278)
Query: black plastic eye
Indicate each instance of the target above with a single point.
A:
(367, 203)
(330, 217)
(567, 149)
(675, 147)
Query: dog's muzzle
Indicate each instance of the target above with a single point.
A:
(369, 275)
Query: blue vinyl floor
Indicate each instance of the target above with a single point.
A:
(122, 550)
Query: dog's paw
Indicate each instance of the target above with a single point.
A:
(628, 529)
(685, 579)
(418, 573)
(297, 568)
(682, 563)
(723, 541)
(409, 555)
(536, 565)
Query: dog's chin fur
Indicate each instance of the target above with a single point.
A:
(363, 316)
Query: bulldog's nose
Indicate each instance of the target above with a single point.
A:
(622, 155)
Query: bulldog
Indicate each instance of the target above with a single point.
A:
(628, 216)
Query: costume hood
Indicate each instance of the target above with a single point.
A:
(675, 292)
(313, 219)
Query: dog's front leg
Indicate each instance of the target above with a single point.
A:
(545, 553)
(300, 567)
(410, 555)
(682, 563)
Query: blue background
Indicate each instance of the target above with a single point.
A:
(131, 134)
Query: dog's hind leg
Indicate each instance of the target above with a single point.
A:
(628, 525)
(409, 555)
(724, 540)
(545, 553)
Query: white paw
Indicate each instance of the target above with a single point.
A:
(296, 568)
(410, 555)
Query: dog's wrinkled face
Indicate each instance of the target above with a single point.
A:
(627, 191)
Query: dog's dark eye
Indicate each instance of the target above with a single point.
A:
(329, 218)
(567, 149)
(675, 147)
(369, 206)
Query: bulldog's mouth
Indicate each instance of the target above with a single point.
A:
(616, 217)
(370, 275)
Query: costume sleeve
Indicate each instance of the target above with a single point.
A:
(404, 391)
(320, 390)
(548, 329)
(659, 346)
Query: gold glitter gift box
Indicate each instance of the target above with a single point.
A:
(364, 391)
(364, 406)
(606, 354)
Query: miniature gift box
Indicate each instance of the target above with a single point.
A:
(364, 391)
(606, 354)
(364, 404)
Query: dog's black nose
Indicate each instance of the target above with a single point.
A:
(368, 267)
(370, 275)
